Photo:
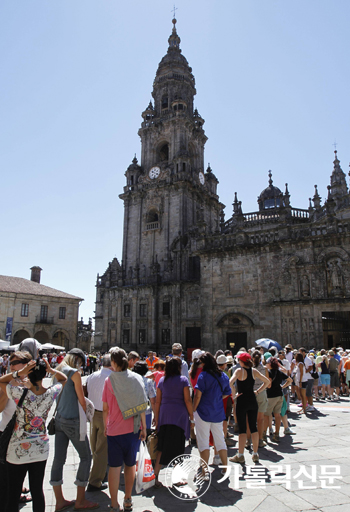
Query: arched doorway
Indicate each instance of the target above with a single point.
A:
(61, 339)
(42, 337)
(19, 336)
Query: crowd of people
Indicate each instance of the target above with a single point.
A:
(127, 397)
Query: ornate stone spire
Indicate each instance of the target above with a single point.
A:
(270, 178)
(286, 196)
(237, 206)
(174, 40)
(339, 188)
(316, 199)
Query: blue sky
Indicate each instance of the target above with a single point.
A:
(272, 81)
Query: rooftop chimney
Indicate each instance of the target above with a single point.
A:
(35, 275)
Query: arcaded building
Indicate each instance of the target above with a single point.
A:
(188, 275)
(29, 309)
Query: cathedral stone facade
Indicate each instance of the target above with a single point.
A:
(188, 275)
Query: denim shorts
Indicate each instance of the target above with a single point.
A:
(123, 448)
(325, 379)
(309, 386)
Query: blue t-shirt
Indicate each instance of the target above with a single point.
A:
(211, 407)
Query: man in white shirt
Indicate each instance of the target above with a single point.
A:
(289, 353)
(93, 390)
(177, 352)
(308, 364)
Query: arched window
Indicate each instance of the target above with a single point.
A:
(165, 102)
(152, 220)
(152, 216)
(164, 153)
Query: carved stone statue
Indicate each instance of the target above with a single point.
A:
(305, 286)
(335, 277)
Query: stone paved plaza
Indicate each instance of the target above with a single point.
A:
(321, 440)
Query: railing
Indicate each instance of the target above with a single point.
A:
(269, 216)
(152, 225)
(42, 320)
(299, 213)
(261, 216)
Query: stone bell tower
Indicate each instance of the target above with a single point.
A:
(170, 193)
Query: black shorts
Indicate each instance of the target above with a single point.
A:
(123, 448)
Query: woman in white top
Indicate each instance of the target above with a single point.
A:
(301, 380)
(28, 448)
(7, 407)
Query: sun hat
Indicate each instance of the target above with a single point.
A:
(197, 353)
(230, 359)
(221, 359)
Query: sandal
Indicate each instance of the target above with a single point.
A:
(127, 505)
(25, 499)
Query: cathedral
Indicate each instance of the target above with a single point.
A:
(188, 275)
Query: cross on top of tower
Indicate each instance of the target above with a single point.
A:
(174, 9)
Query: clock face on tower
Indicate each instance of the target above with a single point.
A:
(154, 173)
(201, 178)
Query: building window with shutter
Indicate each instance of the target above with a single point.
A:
(143, 310)
(165, 336)
(142, 336)
(62, 313)
(166, 308)
(25, 310)
(127, 310)
(126, 336)
(43, 313)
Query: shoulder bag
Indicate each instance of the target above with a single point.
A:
(7, 433)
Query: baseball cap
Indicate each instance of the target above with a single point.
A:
(77, 352)
(267, 355)
(244, 356)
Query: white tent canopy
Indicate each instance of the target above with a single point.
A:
(50, 346)
(5, 345)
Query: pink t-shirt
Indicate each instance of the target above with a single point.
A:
(157, 376)
(116, 425)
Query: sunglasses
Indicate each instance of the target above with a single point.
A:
(18, 361)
